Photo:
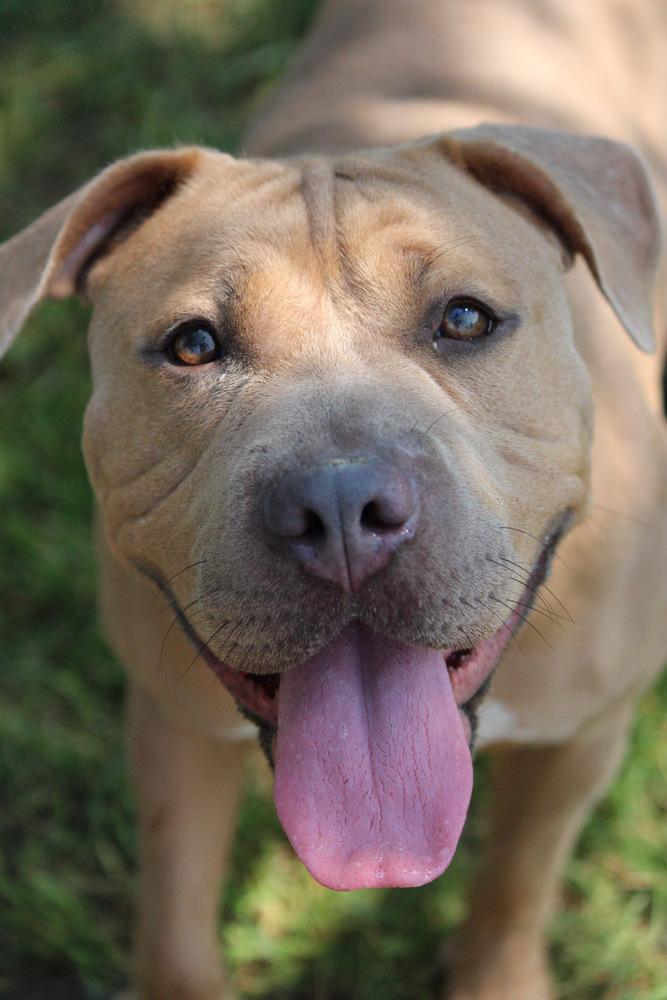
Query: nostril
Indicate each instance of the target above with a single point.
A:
(392, 506)
(314, 527)
(373, 518)
(290, 513)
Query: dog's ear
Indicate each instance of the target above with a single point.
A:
(52, 257)
(595, 194)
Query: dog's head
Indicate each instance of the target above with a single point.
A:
(340, 419)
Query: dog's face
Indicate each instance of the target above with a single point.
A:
(339, 418)
(332, 294)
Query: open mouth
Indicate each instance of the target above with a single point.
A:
(469, 668)
(371, 742)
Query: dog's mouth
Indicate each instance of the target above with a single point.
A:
(469, 668)
(257, 695)
(371, 740)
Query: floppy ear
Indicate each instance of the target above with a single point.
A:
(51, 258)
(595, 194)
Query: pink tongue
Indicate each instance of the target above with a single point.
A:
(373, 770)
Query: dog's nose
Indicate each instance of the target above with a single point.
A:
(343, 520)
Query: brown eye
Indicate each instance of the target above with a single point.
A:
(463, 320)
(194, 344)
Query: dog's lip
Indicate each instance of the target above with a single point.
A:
(469, 668)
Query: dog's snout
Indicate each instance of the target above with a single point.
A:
(343, 520)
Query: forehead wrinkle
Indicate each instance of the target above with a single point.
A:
(318, 192)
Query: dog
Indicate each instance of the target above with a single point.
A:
(353, 401)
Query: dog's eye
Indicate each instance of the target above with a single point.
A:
(194, 344)
(463, 320)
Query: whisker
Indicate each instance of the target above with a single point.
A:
(538, 591)
(218, 672)
(620, 513)
(446, 413)
(202, 647)
(532, 609)
(180, 616)
(506, 626)
(230, 642)
(542, 605)
(437, 255)
(200, 562)
(522, 531)
(593, 524)
(199, 614)
(525, 619)
(248, 653)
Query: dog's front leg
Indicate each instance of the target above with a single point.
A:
(187, 789)
(541, 798)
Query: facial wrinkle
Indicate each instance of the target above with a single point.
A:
(317, 189)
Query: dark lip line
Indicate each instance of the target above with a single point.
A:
(155, 577)
(234, 679)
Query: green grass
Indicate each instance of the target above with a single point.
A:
(81, 82)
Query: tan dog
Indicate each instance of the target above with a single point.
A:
(342, 416)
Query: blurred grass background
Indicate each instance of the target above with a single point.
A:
(82, 82)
